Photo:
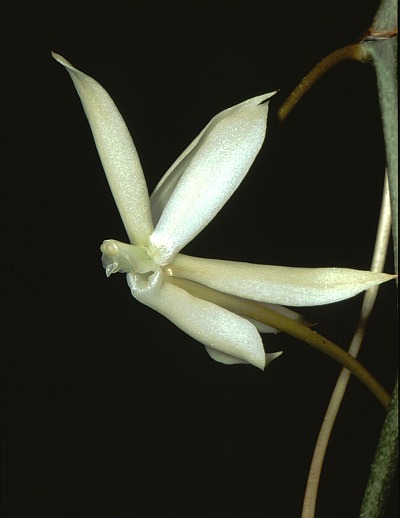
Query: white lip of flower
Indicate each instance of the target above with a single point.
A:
(186, 199)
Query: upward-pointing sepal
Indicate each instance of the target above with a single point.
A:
(117, 153)
(207, 174)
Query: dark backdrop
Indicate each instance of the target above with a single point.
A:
(108, 409)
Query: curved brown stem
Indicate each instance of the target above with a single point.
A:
(354, 52)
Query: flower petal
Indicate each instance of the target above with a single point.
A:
(117, 153)
(168, 182)
(231, 360)
(208, 323)
(277, 284)
(207, 174)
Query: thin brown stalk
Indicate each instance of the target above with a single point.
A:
(354, 52)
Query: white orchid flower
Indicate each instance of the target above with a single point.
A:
(186, 199)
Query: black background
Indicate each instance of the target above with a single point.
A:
(108, 409)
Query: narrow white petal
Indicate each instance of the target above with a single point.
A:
(168, 182)
(208, 323)
(207, 174)
(277, 284)
(117, 153)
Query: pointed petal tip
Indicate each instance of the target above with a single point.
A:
(256, 101)
(269, 357)
(65, 63)
(380, 278)
(267, 96)
(60, 59)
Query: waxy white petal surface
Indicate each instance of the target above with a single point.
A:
(168, 182)
(277, 284)
(217, 164)
(208, 323)
(117, 153)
